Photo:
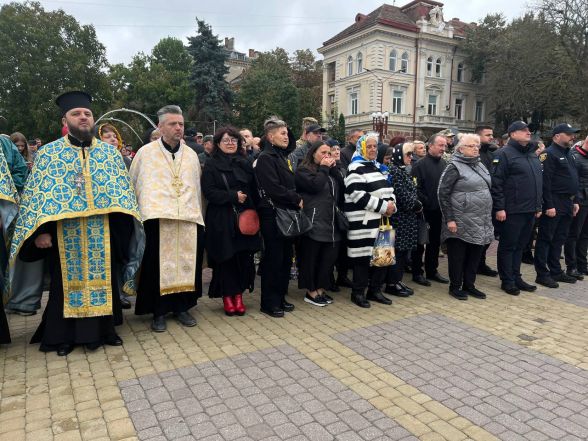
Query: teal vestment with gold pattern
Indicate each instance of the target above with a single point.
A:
(78, 188)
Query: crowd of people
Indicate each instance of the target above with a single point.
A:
(107, 223)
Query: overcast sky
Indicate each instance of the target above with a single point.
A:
(126, 27)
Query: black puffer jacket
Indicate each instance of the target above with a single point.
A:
(321, 192)
(581, 159)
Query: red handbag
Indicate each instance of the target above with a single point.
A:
(247, 222)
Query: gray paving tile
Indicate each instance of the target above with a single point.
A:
(271, 395)
(510, 390)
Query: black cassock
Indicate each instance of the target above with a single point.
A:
(55, 330)
(149, 299)
(4, 332)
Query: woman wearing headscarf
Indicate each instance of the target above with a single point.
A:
(228, 186)
(368, 197)
(109, 134)
(320, 184)
(466, 207)
(276, 183)
(405, 220)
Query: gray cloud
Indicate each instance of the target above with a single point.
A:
(130, 26)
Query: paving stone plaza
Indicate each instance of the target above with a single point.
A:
(428, 367)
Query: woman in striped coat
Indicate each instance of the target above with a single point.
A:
(368, 197)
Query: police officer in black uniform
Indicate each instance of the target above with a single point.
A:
(517, 184)
(560, 189)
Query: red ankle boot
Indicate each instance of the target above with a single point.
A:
(239, 306)
(229, 306)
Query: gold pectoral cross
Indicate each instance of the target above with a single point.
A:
(177, 185)
(79, 182)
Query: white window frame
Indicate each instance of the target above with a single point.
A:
(432, 107)
(481, 111)
(353, 95)
(392, 60)
(460, 76)
(349, 66)
(397, 102)
(438, 68)
(459, 109)
(404, 62)
(359, 63)
(430, 66)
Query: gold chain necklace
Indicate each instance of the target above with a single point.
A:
(176, 183)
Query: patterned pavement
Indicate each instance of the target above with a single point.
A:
(428, 367)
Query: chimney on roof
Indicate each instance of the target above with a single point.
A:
(230, 43)
(359, 17)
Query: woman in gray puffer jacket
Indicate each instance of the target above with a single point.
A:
(466, 206)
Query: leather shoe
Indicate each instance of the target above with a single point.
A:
(485, 270)
(64, 349)
(510, 289)
(438, 278)
(158, 324)
(407, 288)
(276, 313)
(563, 277)
(360, 300)
(420, 279)
(475, 293)
(458, 294)
(583, 271)
(114, 341)
(124, 302)
(524, 286)
(547, 281)
(287, 306)
(396, 290)
(378, 297)
(575, 274)
(344, 281)
(185, 318)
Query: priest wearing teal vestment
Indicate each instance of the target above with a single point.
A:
(78, 209)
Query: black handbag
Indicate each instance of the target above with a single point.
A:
(292, 223)
(423, 235)
(341, 220)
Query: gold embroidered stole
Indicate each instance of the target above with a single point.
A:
(84, 252)
(177, 256)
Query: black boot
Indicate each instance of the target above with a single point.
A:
(360, 300)
(396, 290)
(377, 296)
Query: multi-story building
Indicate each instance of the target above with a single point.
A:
(405, 61)
(237, 62)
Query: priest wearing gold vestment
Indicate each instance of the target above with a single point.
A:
(166, 176)
(78, 209)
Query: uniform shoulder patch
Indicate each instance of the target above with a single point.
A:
(495, 161)
(543, 156)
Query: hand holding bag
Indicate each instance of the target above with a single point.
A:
(246, 221)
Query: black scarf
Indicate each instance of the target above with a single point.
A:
(232, 163)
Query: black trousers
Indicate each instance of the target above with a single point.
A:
(342, 263)
(514, 236)
(431, 250)
(551, 236)
(366, 276)
(315, 263)
(276, 262)
(395, 272)
(463, 259)
(576, 245)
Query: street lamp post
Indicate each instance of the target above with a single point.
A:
(380, 123)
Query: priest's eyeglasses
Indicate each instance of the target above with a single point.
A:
(229, 140)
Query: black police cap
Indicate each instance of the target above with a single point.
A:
(564, 128)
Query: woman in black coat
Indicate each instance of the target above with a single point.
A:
(320, 184)
(276, 184)
(228, 185)
(405, 220)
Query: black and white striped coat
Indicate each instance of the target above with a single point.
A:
(367, 193)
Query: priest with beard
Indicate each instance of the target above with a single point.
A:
(166, 175)
(79, 210)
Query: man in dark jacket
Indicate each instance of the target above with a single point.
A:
(312, 133)
(517, 188)
(576, 246)
(427, 173)
(487, 149)
(560, 190)
(348, 151)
